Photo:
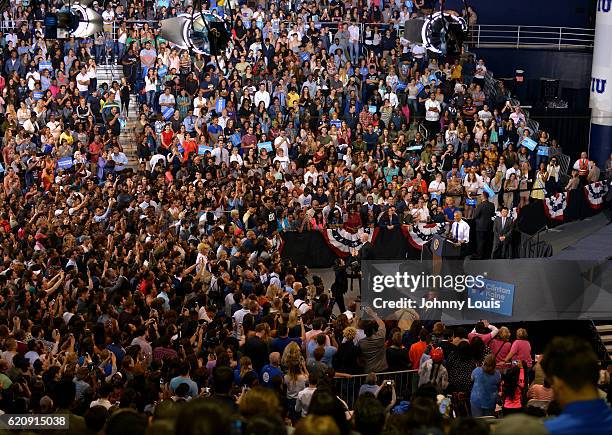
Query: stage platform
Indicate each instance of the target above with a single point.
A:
(589, 239)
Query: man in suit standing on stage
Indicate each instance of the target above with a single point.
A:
(366, 252)
(502, 235)
(483, 217)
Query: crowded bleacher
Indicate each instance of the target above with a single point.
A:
(143, 287)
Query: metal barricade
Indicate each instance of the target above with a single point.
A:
(405, 384)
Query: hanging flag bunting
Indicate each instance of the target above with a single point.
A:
(555, 205)
(596, 193)
(419, 234)
(341, 241)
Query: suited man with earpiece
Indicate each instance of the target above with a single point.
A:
(502, 235)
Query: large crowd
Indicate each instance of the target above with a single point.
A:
(154, 286)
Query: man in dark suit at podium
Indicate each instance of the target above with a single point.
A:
(483, 217)
(366, 252)
(502, 235)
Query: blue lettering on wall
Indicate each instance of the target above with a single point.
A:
(598, 85)
(604, 5)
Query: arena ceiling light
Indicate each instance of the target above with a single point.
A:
(77, 19)
(441, 29)
(203, 33)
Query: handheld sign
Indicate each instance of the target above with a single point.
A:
(236, 139)
(64, 163)
(543, 150)
(529, 143)
(265, 145)
(203, 148)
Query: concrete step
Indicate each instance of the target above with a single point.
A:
(609, 348)
(606, 338)
(603, 328)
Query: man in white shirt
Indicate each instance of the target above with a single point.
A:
(432, 115)
(485, 115)
(479, 74)
(282, 141)
(220, 154)
(353, 43)
(120, 159)
(311, 174)
(420, 212)
(460, 232)
(282, 158)
(82, 80)
(305, 396)
(418, 53)
(262, 95)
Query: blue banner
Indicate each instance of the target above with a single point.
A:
(203, 148)
(265, 145)
(543, 151)
(529, 143)
(64, 163)
(502, 292)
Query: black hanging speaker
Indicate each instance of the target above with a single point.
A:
(218, 37)
(412, 30)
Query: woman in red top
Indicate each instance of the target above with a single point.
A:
(166, 139)
(353, 221)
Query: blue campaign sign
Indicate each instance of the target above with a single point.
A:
(265, 145)
(488, 189)
(336, 122)
(542, 150)
(219, 105)
(502, 292)
(529, 143)
(64, 163)
(372, 109)
(203, 148)
(236, 139)
(44, 65)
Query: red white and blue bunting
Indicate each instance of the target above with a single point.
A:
(419, 234)
(596, 193)
(341, 241)
(555, 205)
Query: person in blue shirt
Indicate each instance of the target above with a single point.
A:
(572, 368)
(184, 378)
(269, 371)
(329, 351)
(282, 340)
(485, 388)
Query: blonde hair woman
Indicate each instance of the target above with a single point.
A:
(521, 348)
(500, 345)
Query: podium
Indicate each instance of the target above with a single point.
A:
(442, 247)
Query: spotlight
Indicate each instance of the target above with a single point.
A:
(203, 33)
(444, 33)
(77, 20)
